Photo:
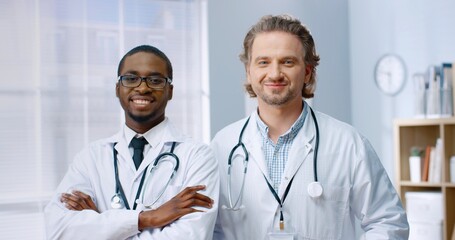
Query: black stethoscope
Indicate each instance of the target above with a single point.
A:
(314, 189)
(119, 201)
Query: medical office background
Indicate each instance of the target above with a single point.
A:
(58, 62)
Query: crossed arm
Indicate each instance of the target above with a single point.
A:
(86, 214)
(180, 205)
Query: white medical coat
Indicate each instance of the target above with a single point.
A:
(354, 181)
(92, 172)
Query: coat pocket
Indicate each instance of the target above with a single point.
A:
(323, 217)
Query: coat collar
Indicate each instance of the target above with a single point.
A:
(302, 146)
(167, 134)
(166, 130)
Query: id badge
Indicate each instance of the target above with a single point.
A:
(281, 235)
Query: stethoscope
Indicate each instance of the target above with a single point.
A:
(119, 201)
(314, 189)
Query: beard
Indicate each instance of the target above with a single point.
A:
(277, 99)
(140, 119)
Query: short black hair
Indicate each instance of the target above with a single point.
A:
(148, 49)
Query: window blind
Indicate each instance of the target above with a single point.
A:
(57, 93)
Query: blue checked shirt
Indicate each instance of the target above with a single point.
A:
(276, 155)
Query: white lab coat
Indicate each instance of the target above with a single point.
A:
(92, 172)
(354, 181)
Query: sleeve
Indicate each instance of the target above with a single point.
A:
(202, 170)
(218, 231)
(374, 199)
(62, 223)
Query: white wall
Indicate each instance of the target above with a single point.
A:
(230, 20)
(421, 32)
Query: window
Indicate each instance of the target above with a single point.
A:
(57, 91)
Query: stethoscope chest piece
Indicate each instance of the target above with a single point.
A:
(117, 202)
(315, 189)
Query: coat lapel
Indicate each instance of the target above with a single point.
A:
(254, 146)
(300, 151)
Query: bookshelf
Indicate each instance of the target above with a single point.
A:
(424, 132)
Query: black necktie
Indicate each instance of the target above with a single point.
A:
(138, 145)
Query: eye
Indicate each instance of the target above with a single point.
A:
(130, 78)
(262, 62)
(156, 80)
(289, 62)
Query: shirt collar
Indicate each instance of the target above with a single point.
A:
(153, 135)
(291, 133)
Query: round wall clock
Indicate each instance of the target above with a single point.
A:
(390, 74)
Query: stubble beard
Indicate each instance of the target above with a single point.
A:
(140, 119)
(275, 99)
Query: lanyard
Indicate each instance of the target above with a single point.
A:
(118, 185)
(281, 202)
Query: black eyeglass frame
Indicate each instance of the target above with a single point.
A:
(145, 79)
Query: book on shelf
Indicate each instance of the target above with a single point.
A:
(426, 163)
(432, 163)
(432, 167)
(446, 87)
(433, 92)
(435, 170)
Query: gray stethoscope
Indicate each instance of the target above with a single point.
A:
(314, 189)
(119, 201)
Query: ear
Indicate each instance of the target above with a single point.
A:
(247, 70)
(170, 92)
(308, 73)
(117, 88)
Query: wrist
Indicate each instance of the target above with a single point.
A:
(141, 225)
(145, 220)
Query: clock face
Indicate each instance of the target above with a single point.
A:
(390, 74)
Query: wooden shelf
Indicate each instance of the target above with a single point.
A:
(424, 132)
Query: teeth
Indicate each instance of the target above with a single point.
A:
(141, 101)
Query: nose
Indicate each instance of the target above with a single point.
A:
(275, 71)
(143, 87)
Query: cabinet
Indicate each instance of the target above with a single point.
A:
(424, 132)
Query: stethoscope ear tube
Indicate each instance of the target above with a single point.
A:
(233, 206)
(316, 147)
(240, 143)
(119, 199)
(171, 154)
(155, 163)
(315, 188)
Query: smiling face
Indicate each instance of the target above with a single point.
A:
(276, 70)
(144, 107)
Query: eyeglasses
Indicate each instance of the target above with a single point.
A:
(154, 82)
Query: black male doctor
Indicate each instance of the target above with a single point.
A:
(107, 195)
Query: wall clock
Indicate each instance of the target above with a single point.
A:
(390, 74)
